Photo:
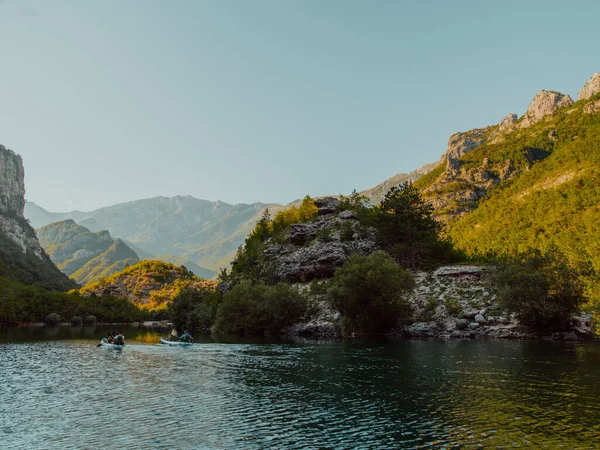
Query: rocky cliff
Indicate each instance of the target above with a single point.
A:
(21, 256)
(591, 88)
(83, 255)
(543, 104)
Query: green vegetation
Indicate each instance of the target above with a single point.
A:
(83, 255)
(259, 309)
(20, 303)
(408, 231)
(370, 293)
(195, 309)
(542, 290)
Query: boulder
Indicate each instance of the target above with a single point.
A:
(480, 319)
(571, 336)
(347, 214)
(473, 325)
(592, 87)
(327, 205)
(461, 324)
(543, 104)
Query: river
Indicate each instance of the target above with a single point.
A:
(58, 390)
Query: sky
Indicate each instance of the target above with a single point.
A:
(244, 101)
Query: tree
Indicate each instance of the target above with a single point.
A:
(407, 230)
(370, 293)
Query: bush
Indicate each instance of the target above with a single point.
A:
(89, 320)
(259, 309)
(370, 293)
(194, 309)
(453, 307)
(76, 321)
(52, 319)
(543, 291)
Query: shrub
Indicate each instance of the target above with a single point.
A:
(52, 319)
(543, 291)
(370, 293)
(194, 309)
(453, 306)
(89, 320)
(76, 321)
(259, 309)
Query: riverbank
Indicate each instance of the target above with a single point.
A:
(452, 302)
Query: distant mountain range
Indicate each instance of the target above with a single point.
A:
(200, 234)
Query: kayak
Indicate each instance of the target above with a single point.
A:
(106, 344)
(166, 341)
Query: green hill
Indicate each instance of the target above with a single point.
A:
(83, 255)
(533, 185)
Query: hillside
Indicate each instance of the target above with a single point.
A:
(150, 283)
(83, 255)
(205, 233)
(530, 185)
(21, 256)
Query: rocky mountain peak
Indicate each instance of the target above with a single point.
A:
(507, 121)
(592, 87)
(463, 142)
(543, 104)
(12, 182)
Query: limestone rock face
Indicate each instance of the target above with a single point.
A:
(507, 121)
(592, 87)
(543, 104)
(464, 142)
(316, 249)
(12, 183)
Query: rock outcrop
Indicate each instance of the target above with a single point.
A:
(542, 105)
(592, 87)
(462, 143)
(21, 256)
(12, 183)
(592, 107)
(317, 248)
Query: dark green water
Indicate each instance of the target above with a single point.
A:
(59, 391)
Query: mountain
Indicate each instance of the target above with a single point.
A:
(206, 234)
(21, 256)
(529, 183)
(83, 255)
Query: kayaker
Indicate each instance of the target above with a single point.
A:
(186, 337)
(119, 338)
(109, 338)
(173, 337)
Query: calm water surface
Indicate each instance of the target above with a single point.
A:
(58, 390)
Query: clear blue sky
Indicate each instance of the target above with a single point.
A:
(242, 101)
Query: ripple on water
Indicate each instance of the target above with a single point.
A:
(62, 394)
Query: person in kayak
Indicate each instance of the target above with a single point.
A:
(186, 337)
(173, 337)
(119, 338)
(108, 338)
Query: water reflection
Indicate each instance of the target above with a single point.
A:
(409, 394)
